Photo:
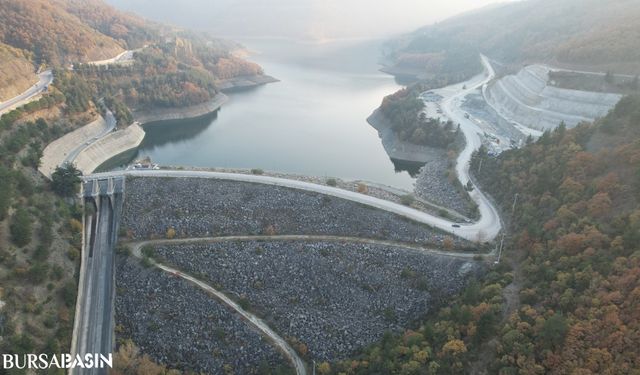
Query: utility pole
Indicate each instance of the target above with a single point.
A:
(513, 208)
(314, 367)
(480, 166)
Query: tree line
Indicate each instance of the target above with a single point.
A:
(572, 198)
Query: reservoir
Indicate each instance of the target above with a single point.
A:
(312, 122)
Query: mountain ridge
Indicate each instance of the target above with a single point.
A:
(584, 34)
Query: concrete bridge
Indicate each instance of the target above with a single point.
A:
(94, 316)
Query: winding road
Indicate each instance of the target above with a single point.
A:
(485, 229)
(124, 57)
(110, 126)
(45, 79)
(489, 224)
(256, 322)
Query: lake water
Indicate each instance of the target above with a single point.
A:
(313, 122)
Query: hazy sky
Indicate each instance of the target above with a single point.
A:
(316, 19)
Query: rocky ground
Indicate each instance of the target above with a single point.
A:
(373, 189)
(179, 325)
(196, 207)
(433, 184)
(335, 298)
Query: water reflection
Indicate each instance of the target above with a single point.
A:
(175, 131)
(313, 122)
(411, 167)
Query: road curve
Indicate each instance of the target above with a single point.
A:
(111, 125)
(469, 232)
(489, 224)
(258, 323)
(123, 57)
(320, 238)
(44, 80)
(485, 229)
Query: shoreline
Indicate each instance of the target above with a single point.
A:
(395, 148)
(146, 117)
(124, 141)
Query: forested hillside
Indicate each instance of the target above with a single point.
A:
(53, 35)
(179, 68)
(403, 109)
(129, 29)
(40, 233)
(40, 222)
(16, 72)
(589, 34)
(179, 72)
(565, 299)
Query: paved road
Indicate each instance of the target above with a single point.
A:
(45, 79)
(469, 231)
(111, 125)
(489, 224)
(119, 59)
(258, 323)
(485, 229)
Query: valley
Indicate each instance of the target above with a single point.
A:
(462, 198)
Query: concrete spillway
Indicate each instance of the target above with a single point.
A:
(94, 318)
(526, 98)
(109, 146)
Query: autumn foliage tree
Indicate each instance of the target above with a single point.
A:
(577, 225)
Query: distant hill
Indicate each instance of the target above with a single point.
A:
(309, 20)
(51, 33)
(60, 32)
(57, 33)
(124, 27)
(586, 34)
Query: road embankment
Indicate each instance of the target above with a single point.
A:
(167, 114)
(109, 146)
(59, 150)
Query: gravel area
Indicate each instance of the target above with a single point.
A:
(196, 207)
(432, 183)
(334, 297)
(373, 189)
(181, 326)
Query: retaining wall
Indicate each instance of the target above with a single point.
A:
(57, 151)
(109, 146)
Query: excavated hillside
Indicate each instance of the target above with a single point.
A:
(528, 99)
